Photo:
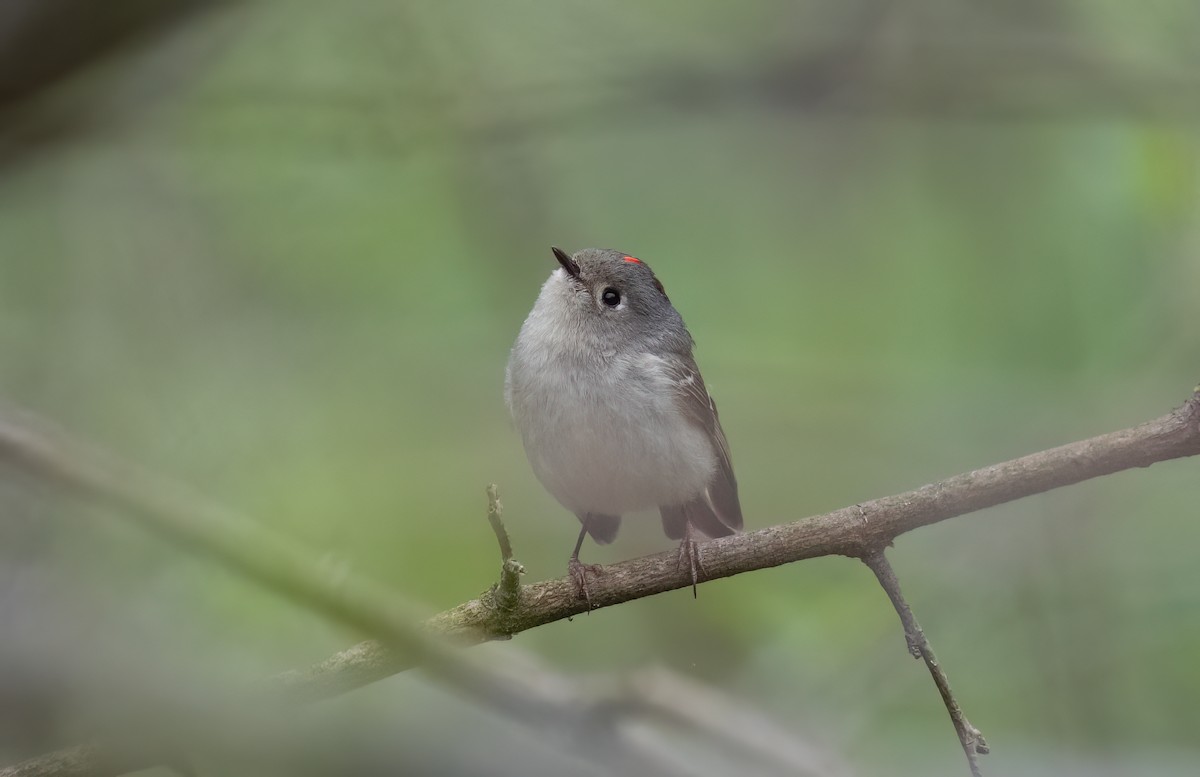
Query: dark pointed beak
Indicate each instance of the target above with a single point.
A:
(566, 261)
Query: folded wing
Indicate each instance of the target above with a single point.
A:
(716, 510)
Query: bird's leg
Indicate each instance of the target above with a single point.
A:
(578, 571)
(689, 552)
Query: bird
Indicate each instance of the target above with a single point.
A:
(613, 413)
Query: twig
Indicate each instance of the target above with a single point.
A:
(969, 737)
(851, 531)
(507, 592)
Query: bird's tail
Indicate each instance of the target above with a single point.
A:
(703, 515)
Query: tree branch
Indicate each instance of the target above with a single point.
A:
(855, 531)
(969, 737)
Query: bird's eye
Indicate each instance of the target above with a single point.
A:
(611, 297)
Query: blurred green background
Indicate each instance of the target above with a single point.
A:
(280, 251)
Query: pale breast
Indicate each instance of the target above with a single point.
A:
(606, 435)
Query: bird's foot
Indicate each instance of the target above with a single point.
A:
(690, 558)
(578, 572)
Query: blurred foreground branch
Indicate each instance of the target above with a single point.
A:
(857, 531)
(254, 552)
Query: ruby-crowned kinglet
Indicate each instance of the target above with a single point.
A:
(612, 410)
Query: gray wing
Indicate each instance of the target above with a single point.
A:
(716, 511)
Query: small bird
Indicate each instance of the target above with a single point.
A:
(612, 410)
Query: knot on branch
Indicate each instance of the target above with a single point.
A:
(976, 740)
(1191, 411)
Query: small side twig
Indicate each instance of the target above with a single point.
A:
(507, 592)
(971, 739)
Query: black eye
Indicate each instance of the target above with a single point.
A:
(611, 297)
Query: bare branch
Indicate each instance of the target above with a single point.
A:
(855, 531)
(969, 737)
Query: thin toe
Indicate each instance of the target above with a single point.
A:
(579, 572)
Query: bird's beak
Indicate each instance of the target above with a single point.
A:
(566, 261)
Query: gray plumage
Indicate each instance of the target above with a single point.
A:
(610, 404)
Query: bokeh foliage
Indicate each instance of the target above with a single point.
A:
(283, 253)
